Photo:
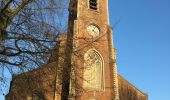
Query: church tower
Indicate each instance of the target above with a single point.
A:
(90, 53)
(85, 69)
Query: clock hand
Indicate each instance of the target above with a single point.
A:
(94, 31)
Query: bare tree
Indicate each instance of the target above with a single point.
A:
(29, 32)
(29, 29)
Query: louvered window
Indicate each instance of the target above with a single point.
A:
(93, 4)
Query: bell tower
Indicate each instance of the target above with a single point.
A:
(90, 52)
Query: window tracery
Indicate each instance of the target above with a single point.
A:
(93, 70)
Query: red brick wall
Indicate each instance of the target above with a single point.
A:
(129, 92)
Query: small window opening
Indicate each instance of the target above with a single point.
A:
(38, 95)
(93, 4)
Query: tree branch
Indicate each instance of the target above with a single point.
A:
(6, 6)
(21, 6)
(10, 63)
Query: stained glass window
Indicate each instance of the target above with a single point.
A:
(93, 70)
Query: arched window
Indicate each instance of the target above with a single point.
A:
(37, 95)
(93, 70)
(93, 4)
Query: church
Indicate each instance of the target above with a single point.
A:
(83, 65)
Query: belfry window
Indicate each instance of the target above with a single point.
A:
(93, 4)
(93, 71)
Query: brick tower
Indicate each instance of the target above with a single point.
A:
(90, 53)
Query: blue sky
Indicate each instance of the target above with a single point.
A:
(142, 38)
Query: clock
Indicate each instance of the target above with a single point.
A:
(93, 30)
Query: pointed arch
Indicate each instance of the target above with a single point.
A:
(37, 94)
(93, 70)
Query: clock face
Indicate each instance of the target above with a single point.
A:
(93, 30)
